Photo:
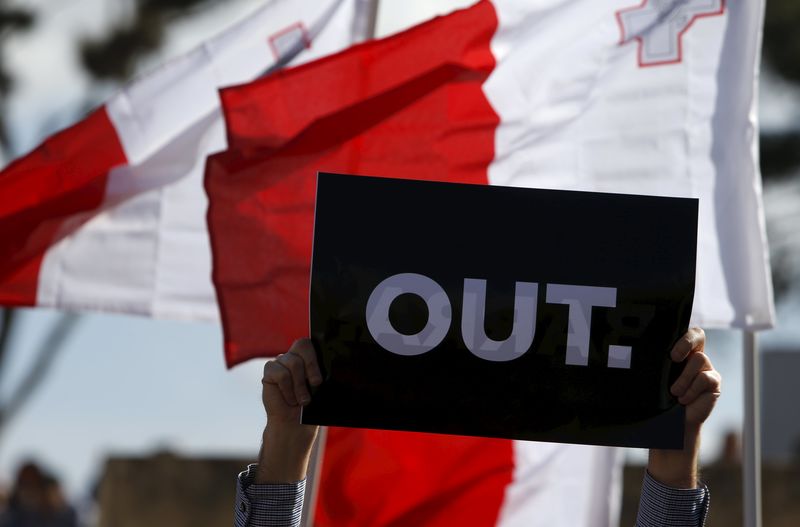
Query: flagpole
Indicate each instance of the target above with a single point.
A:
(372, 18)
(313, 477)
(751, 476)
(315, 470)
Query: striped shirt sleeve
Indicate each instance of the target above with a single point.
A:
(663, 506)
(267, 505)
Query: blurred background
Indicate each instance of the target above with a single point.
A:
(90, 404)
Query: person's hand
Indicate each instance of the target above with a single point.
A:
(284, 385)
(698, 386)
(286, 446)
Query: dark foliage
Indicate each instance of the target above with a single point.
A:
(782, 38)
(115, 56)
(12, 19)
(780, 153)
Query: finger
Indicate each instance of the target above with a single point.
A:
(692, 340)
(697, 362)
(279, 375)
(295, 365)
(305, 350)
(705, 382)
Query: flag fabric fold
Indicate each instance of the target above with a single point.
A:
(109, 214)
(634, 96)
(577, 95)
(374, 477)
(59, 183)
(602, 95)
(402, 125)
(377, 477)
(410, 106)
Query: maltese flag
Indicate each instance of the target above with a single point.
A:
(637, 96)
(652, 98)
(109, 214)
(648, 97)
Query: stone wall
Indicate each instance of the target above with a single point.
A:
(168, 490)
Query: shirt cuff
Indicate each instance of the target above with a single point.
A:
(268, 505)
(663, 506)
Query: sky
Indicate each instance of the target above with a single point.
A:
(135, 386)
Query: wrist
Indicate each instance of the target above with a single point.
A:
(285, 453)
(293, 432)
(677, 468)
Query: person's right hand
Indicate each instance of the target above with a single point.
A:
(286, 444)
(284, 386)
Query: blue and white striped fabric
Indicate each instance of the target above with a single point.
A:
(663, 506)
(272, 505)
(281, 505)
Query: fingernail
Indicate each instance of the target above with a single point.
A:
(316, 381)
(305, 400)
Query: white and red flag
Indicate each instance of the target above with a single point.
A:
(652, 98)
(603, 95)
(639, 96)
(109, 214)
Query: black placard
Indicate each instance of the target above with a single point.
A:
(404, 272)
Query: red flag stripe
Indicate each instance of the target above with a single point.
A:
(409, 106)
(428, 120)
(66, 175)
(395, 479)
(434, 52)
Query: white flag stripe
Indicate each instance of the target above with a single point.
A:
(557, 484)
(580, 109)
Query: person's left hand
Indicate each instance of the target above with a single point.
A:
(698, 386)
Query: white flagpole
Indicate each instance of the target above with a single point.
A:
(372, 18)
(751, 475)
(312, 479)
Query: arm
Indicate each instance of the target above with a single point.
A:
(671, 493)
(271, 492)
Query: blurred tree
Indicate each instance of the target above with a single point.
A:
(12, 19)
(781, 150)
(782, 39)
(116, 55)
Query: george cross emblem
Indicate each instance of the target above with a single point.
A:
(659, 25)
(289, 41)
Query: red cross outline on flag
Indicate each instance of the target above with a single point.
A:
(282, 42)
(659, 26)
